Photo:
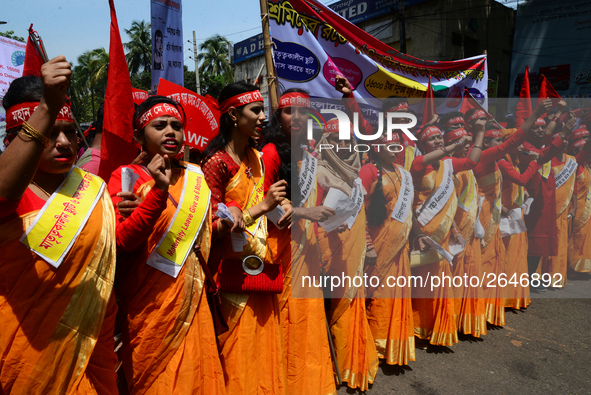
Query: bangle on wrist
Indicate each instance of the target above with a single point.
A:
(477, 146)
(248, 220)
(34, 135)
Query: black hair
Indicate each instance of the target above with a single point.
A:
(224, 136)
(275, 135)
(446, 117)
(491, 126)
(151, 102)
(469, 113)
(376, 209)
(157, 34)
(22, 90)
(392, 101)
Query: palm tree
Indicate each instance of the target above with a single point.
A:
(98, 68)
(214, 56)
(139, 55)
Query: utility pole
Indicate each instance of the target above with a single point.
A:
(271, 78)
(402, 26)
(196, 64)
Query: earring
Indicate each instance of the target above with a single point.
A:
(235, 125)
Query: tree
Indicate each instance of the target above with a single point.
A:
(98, 68)
(214, 56)
(10, 34)
(89, 83)
(139, 55)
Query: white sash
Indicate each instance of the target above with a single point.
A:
(567, 171)
(478, 228)
(307, 176)
(437, 200)
(405, 197)
(357, 201)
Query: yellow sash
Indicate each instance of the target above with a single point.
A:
(172, 250)
(255, 198)
(469, 193)
(63, 216)
(409, 156)
(545, 170)
(519, 198)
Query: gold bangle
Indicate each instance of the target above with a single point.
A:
(248, 220)
(33, 134)
(477, 146)
(288, 201)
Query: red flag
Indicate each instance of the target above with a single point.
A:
(117, 146)
(547, 91)
(33, 59)
(429, 109)
(523, 109)
(470, 103)
(139, 96)
(202, 113)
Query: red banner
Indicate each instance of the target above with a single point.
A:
(202, 113)
(139, 96)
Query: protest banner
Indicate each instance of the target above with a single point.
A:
(313, 44)
(167, 42)
(202, 113)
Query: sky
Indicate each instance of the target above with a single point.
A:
(72, 27)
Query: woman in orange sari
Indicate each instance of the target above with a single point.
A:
(343, 252)
(168, 334)
(390, 219)
(469, 300)
(565, 169)
(305, 339)
(579, 249)
(251, 350)
(57, 235)
(516, 293)
(490, 184)
(435, 204)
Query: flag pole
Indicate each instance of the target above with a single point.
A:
(271, 77)
(40, 47)
(467, 92)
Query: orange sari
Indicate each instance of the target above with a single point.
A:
(556, 265)
(516, 296)
(306, 350)
(251, 350)
(579, 248)
(493, 249)
(58, 324)
(169, 339)
(343, 254)
(434, 316)
(469, 303)
(389, 311)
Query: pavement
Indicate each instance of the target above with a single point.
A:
(545, 348)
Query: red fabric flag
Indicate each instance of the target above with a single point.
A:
(33, 59)
(469, 103)
(523, 109)
(547, 91)
(117, 146)
(139, 96)
(202, 113)
(429, 109)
